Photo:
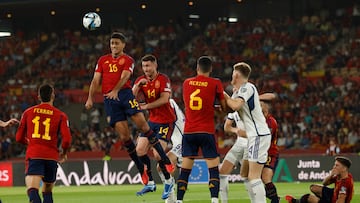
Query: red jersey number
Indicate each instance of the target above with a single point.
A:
(44, 124)
(195, 102)
(113, 68)
(151, 93)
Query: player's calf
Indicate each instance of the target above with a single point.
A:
(271, 192)
(154, 141)
(33, 194)
(182, 183)
(214, 182)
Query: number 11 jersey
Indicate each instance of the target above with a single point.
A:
(40, 128)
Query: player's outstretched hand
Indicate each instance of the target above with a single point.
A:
(13, 121)
(8, 123)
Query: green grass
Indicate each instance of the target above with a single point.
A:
(126, 193)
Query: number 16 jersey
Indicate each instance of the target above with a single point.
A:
(200, 94)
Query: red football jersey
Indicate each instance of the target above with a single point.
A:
(271, 122)
(111, 69)
(344, 186)
(199, 94)
(152, 91)
(40, 127)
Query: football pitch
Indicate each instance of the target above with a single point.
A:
(197, 193)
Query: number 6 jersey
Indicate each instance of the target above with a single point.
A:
(200, 94)
(40, 128)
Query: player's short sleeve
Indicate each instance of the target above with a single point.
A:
(219, 90)
(245, 92)
(129, 64)
(98, 67)
(165, 84)
(65, 131)
(230, 116)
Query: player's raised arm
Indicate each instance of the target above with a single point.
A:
(268, 96)
(21, 131)
(235, 104)
(137, 86)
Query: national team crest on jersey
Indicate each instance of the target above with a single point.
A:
(243, 89)
(121, 61)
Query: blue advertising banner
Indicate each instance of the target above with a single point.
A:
(199, 172)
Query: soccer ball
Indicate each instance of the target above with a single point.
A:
(91, 21)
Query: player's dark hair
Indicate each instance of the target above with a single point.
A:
(344, 161)
(149, 57)
(45, 92)
(243, 68)
(205, 64)
(118, 35)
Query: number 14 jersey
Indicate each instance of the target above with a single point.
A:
(152, 91)
(200, 94)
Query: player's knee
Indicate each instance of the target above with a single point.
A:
(140, 121)
(141, 151)
(157, 156)
(266, 178)
(243, 174)
(222, 171)
(124, 137)
(47, 187)
(315, 188)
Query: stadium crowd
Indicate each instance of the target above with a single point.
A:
(311, 108)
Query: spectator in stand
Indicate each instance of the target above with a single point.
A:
(95, 119)
(333, 149)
